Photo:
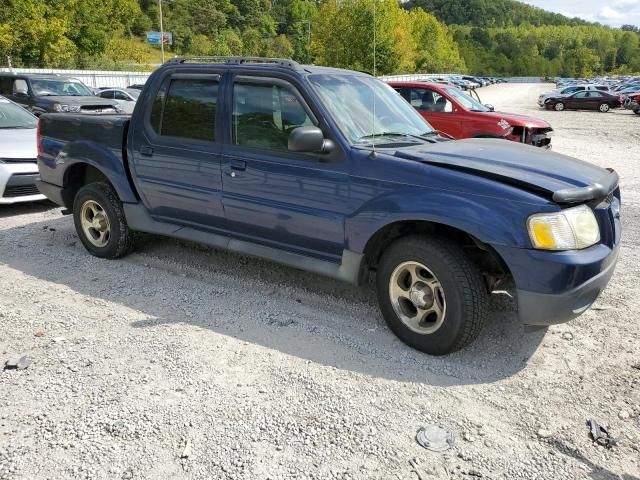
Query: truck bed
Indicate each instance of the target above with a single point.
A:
(95, 140)
(56, 129)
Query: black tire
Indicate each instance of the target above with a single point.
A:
(463, 288)
(120, 238)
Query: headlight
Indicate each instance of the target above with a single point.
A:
(570, 229)
(60, 107)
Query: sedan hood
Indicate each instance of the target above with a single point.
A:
(559, 177)
(516, 120)
(18, 143)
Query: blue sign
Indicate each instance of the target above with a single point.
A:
(153, 38)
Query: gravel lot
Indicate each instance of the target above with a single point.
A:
(182, 362)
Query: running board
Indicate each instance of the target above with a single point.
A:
(348, 270)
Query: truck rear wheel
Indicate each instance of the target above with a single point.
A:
(100, 221)
(431, 295)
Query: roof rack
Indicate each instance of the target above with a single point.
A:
(282, 62)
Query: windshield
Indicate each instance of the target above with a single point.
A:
(13, 116)
(349, 99)
(466, 101)
(57, 87)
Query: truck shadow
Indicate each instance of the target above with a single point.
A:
(308, 316)
(15, 209)
(597, 472)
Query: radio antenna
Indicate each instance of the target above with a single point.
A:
(373, 118)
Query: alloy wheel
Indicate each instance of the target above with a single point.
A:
(95, 223)
(417, 297)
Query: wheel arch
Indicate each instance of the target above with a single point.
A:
(491, 263)
(80, 173)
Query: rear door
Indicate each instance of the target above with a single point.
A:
(272, 195)
(176, 152)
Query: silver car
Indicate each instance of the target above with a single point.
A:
(18, 153)
(126, 98)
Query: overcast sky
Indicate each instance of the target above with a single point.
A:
(609, 12)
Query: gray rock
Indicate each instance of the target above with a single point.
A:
(18, 363)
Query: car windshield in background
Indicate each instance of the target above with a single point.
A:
(59, 88)
(466, 101)
(350, 99)
(14, 116)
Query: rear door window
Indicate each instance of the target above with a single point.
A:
(186, 108)
(6, 85)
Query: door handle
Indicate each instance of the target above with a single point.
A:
(146, 150)
(238, 165)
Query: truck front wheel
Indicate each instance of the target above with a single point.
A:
(431, 295)
(100, 221)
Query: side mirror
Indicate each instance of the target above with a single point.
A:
(490, 107)
(20, 92)
(309, 140)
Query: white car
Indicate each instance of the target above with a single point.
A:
(126, 98)
(18, 153)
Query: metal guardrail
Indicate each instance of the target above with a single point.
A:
(91, 78)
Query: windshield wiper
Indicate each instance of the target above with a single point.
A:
(397, 134)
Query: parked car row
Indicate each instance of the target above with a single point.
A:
(614, 92)
(331, 171)
(463, 82)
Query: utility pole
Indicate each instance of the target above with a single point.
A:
(161, 31)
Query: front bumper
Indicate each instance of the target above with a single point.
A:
(555, 287)
(17, 183)
(549, 309)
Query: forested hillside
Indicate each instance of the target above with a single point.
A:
(491, 13)
(500, 37)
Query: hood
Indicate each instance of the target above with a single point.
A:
(70, 100)
(18, 143)
(518, 120)
(553, 175)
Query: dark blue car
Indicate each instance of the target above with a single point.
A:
(331, 171)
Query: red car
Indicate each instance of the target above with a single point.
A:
(632, 102)
(459, 115)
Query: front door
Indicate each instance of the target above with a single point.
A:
(271, 195)
(435, 108)
(176, 153)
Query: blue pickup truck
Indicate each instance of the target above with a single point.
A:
(332, 172)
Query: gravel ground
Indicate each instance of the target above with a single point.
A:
(182, 362)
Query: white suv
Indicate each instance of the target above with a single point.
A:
(569, 90)
(18, 153)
